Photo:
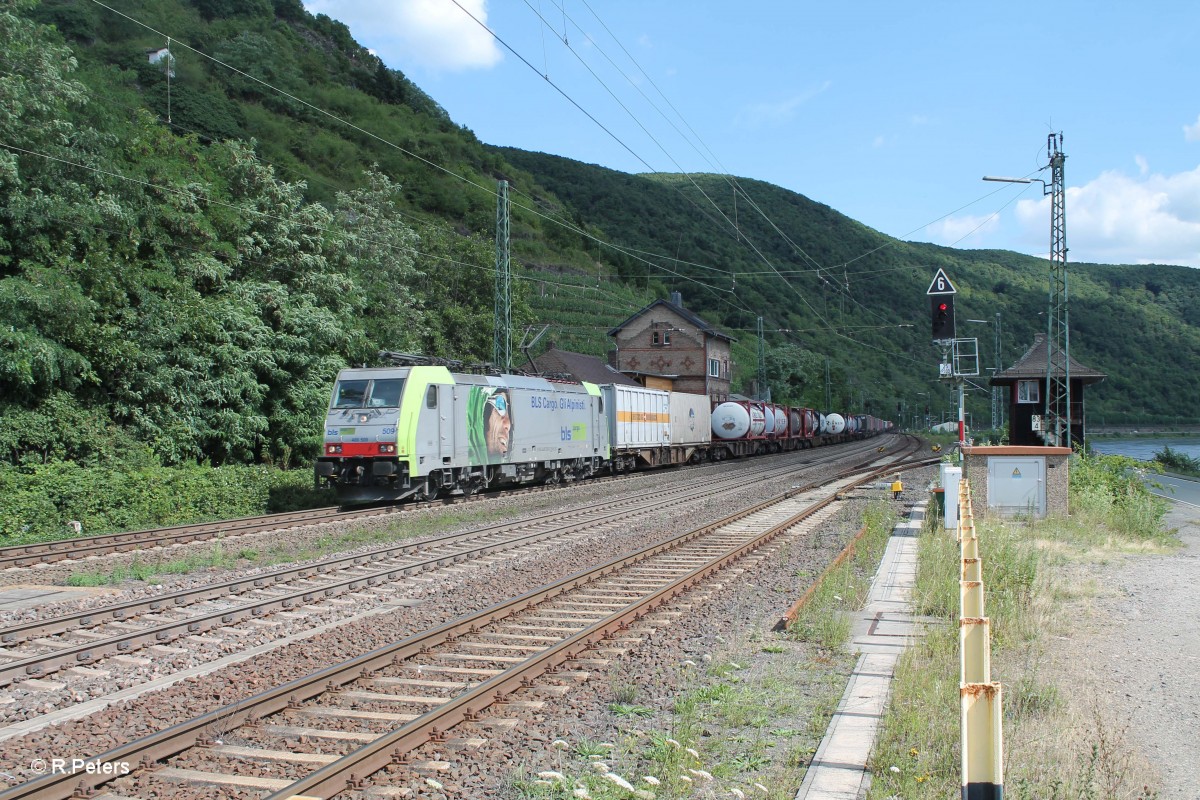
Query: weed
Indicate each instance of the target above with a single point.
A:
(625, 692)
(626, 710)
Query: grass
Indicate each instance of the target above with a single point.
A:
(147, 568)
(826, 618)
(1059, 741)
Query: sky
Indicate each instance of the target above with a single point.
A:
(889, 112)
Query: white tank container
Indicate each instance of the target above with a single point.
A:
(732, 420)
(835, 424)
(781, 421)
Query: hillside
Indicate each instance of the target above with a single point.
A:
(187, 256)
(846, 291)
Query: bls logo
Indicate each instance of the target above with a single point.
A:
(565, 433)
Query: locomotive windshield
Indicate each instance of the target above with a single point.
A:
(382, 393)
(386, 393)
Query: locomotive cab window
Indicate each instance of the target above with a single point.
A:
(386, 393)
(1028, 391)
(431, 397)
(350, 394)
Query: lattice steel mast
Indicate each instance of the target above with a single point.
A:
(502, 336)
(1057, 429)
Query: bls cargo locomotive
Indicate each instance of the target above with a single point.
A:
(393, 433)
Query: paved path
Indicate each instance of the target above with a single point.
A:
(882, 630)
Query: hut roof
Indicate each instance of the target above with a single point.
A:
(1033, 365)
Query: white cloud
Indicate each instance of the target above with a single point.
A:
(762, 114)
(1117, 219)
(957, 231)
(430, 34)
(1192, 132)
(1142, 164)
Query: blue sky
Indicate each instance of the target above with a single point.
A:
(889, 112)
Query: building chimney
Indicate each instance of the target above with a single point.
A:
(677, 299)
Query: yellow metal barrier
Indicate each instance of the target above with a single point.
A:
(982, 734)
(983, 742)
(976, 654)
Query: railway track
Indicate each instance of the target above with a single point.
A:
(44, 646)
(321, 734)
(59, 550)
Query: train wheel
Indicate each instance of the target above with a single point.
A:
(426, 490)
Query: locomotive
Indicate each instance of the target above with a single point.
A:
(395, 433)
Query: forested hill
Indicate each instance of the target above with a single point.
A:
(837, 288)
(187, 255)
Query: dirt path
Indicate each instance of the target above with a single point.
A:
(1144, 656)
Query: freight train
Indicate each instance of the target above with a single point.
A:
(395, 433)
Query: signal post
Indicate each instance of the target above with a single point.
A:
(960, 357)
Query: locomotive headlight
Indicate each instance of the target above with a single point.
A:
(333, 449)
(387, 448)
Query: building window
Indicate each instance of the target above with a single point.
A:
(661, 339)
(714, 368)
(654, 339)
(1028, 391)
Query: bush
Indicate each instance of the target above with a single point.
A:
(37, 502)
(1176, 461)
(1113, 488)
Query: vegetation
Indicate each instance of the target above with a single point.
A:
(1175, 461)
(1030, 591)
(39, 501)
(189, 253)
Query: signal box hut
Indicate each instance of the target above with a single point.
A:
(666, 346)
(1026, 383)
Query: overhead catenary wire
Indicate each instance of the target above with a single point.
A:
(737, 233)
(433, 164)
(733, 227)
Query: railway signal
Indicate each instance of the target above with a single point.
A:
(943, 317)
(941, 301)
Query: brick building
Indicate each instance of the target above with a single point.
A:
(666, 346)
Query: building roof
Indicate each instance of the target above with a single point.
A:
(681, 311)
(1033, 365)
(579, 366)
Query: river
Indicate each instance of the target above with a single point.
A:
(1144, 449)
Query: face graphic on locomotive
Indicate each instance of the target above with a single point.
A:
(497, 423)
(489, 424)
